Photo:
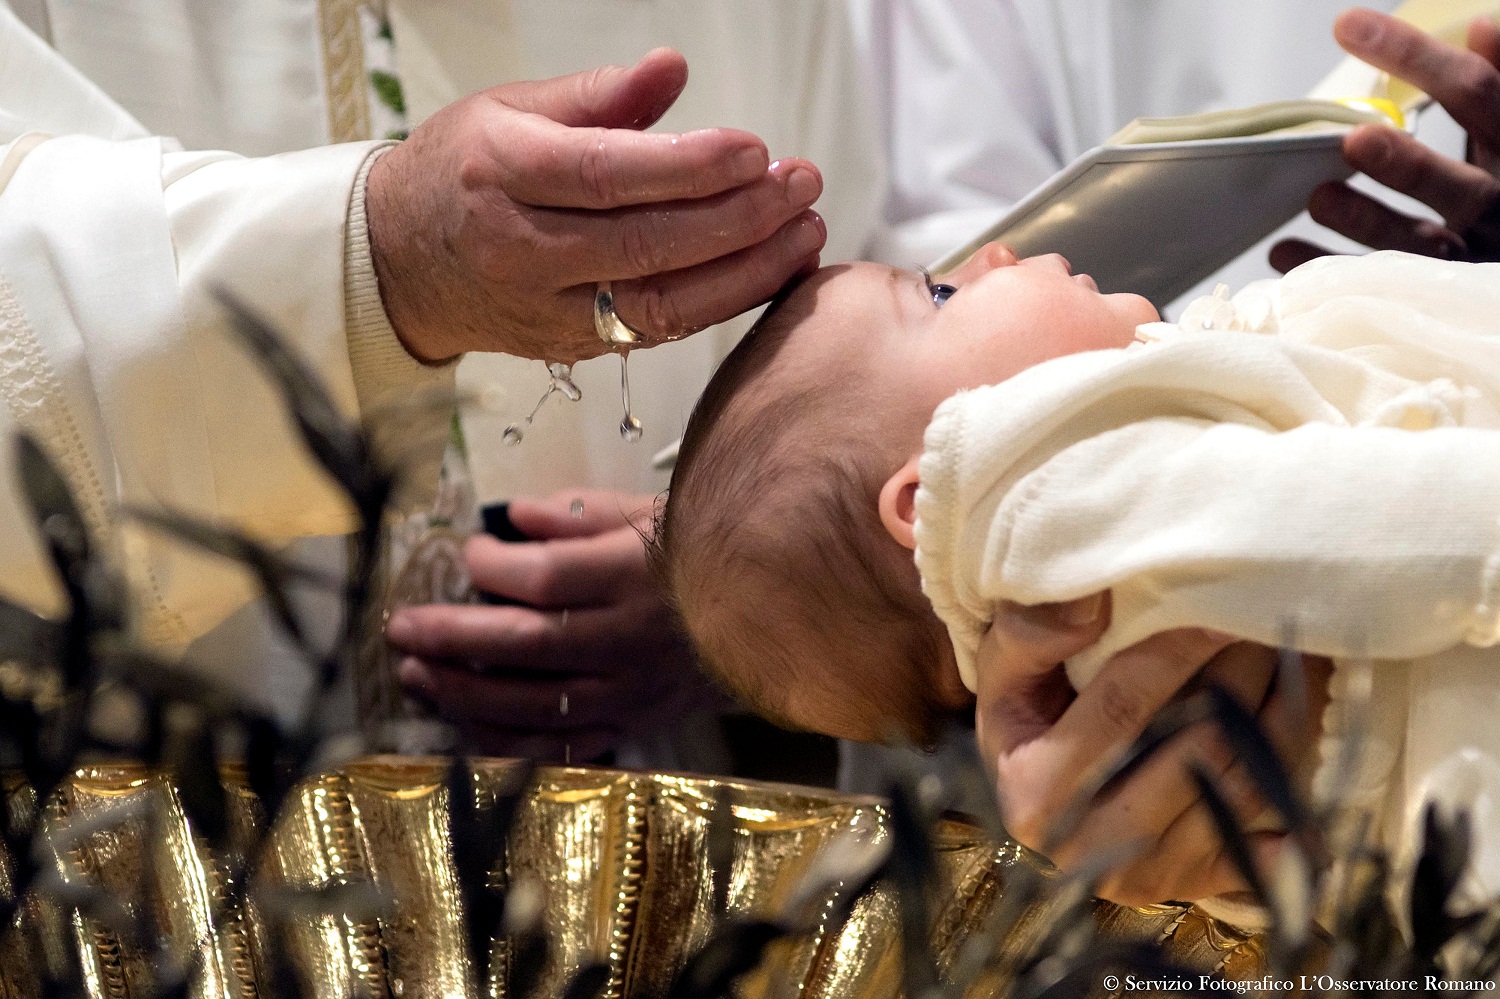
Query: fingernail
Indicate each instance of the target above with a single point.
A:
(808, 234)
(803, 186)
(750, 163)
(1078, 613)
(399, 629)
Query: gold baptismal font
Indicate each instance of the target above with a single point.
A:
(618, 861)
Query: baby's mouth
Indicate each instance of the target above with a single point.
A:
(1086, 281)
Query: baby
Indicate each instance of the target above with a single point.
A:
(883, 460)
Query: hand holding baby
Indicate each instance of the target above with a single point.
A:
(1047, 744)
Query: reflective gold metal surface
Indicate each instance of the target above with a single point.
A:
(621, 860)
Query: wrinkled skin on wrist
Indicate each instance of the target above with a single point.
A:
(492, 225)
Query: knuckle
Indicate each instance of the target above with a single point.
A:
(596, 172)
(659, 312)
(1120, 708)
(641, 245)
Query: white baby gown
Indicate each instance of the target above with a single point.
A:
(1319, 456)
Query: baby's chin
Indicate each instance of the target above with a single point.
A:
(1132, 308)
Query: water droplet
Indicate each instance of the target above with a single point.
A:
(630, 427)
(576, 508)
(562, 705)
(512, 435)
(562, 381)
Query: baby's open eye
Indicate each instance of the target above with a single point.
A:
(940, 292)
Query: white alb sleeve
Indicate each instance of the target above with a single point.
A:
(113, 350)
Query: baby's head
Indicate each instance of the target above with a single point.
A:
(786, 540)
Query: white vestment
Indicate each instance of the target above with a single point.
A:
(279, 75)
(1319, 458)
(112, 242)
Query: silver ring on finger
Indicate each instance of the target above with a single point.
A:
(610, 327)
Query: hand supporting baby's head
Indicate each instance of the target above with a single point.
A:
(800, 595)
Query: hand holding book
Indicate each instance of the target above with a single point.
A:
(1166, 202)
(1466, 82)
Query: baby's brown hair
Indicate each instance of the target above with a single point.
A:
(771, 544)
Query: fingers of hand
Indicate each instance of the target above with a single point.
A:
(1246, 671)
(567, 572)
(1292, 253)
(1022, 690)
(514, 637)
(610, 96)
(1293, 723)
(671, 305)
(1190, 862)
(1128, 691)
(1463, 82)
(1484, 40)
(1460, 192)
(1378, 226)
(536, 161)
(602, 510)
(649, 240)
(529, 703)
(1030, 640)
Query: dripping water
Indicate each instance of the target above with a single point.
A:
(630, 427)
(575, 509)
(559, 380)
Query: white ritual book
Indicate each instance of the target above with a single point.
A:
(1168, 201)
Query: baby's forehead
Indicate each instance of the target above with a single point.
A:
(842, 295)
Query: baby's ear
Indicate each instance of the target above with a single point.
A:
(898, 504)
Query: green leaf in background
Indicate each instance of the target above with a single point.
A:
(388, 89)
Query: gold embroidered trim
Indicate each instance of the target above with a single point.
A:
(344, 83)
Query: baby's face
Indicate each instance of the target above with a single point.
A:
(1005, 316)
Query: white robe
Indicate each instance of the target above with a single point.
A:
(1322, 461)
(111, 244)
(272, 76)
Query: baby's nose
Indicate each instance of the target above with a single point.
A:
(989, 257)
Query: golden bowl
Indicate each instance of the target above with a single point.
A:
(621, 858)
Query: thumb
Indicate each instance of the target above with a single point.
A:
(607, 97)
